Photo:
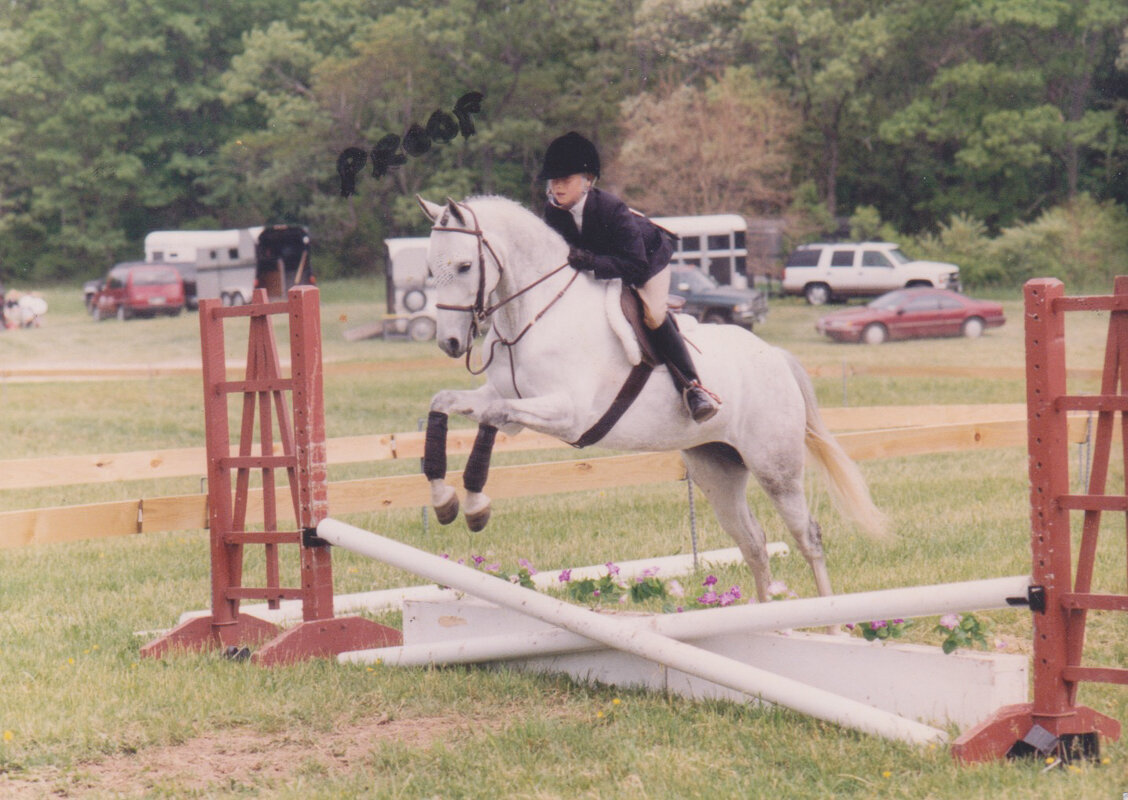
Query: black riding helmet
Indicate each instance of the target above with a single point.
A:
(569, 154)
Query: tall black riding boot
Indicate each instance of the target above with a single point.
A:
(667, 340)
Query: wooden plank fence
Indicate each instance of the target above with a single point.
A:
(146, 515)
(30, 473)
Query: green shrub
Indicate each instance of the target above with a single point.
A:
(1084, 243)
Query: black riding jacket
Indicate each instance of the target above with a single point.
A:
(624, 244)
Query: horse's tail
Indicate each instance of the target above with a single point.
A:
(847, 486)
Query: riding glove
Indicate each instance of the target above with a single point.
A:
(581, 259)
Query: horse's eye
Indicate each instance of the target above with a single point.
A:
(464, 267)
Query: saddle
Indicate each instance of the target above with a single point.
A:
(631, 304)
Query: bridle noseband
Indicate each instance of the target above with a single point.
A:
(480, 311)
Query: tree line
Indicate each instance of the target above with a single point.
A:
(992, 130)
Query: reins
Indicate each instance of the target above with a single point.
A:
(481, 312)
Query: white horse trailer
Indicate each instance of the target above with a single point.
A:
(713, 243)
(221, 263)
(411, 297)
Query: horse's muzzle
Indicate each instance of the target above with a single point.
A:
(451, 346)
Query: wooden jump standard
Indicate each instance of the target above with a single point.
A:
(304, 460)
(1054, 722)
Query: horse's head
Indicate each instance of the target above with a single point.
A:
(464, 269)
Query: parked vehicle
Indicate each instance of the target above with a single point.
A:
(714, 243)
(910, 314)
(134, 288)
(823, 272)
(212, 263)
(231, 264)
(709, 302)
(410, 293)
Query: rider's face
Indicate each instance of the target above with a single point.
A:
(568, 191)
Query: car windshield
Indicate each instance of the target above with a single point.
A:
(898, 256)
(698, 281)
(888, 302)
(155, 277)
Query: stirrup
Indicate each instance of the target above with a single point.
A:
(701, 404)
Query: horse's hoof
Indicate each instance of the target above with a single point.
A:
(447, 512)
(477, 521)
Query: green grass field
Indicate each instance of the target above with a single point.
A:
(81, 715)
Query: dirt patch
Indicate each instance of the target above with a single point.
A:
(235, 757)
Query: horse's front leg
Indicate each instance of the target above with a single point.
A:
(443, 497)
(552, 414)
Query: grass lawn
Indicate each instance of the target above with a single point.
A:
(81, 715)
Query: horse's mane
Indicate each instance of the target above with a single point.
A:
(528, 235)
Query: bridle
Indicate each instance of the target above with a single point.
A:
(480, 312)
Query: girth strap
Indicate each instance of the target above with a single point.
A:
(630, 391)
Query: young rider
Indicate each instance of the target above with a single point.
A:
(612, 241)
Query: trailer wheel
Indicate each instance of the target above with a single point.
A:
(237, 299)
(414, 300)
(421, 329)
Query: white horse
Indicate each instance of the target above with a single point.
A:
(557, 353)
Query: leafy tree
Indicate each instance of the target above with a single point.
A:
(722, 148)
(825, 55)
(111, 116)
(999, 127)
(323, 91)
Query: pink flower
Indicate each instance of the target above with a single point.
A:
(612, 568)
(950, 621)
(524, 562)
(565, 576)
(710, 581)
(675, 589)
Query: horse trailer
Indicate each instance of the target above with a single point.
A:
(410, 294)
(714, 244)
(230, 264)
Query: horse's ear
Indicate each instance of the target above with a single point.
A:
(454, 208)
(432, 210)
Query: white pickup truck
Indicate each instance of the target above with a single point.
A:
(822, 272)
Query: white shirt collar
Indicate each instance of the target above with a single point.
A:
(578, 212)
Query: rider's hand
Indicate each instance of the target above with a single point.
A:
(581, 259)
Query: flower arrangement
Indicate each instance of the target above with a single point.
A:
(962, 631)
(958, 630)
(881, 629)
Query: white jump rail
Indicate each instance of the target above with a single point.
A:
(916, 601)
(630, 638)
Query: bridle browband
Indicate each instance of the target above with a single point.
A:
(481, 312)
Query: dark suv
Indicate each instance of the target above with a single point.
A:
(708, 301)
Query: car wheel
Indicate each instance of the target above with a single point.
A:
(421, 329)
(715, 318)
(874, 333)
(973, 327)
(817, 294)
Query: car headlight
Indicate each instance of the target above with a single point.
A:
(742, 308)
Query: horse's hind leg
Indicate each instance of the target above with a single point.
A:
(723, 479)
(790, 501)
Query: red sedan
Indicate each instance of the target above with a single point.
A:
(912, 314)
